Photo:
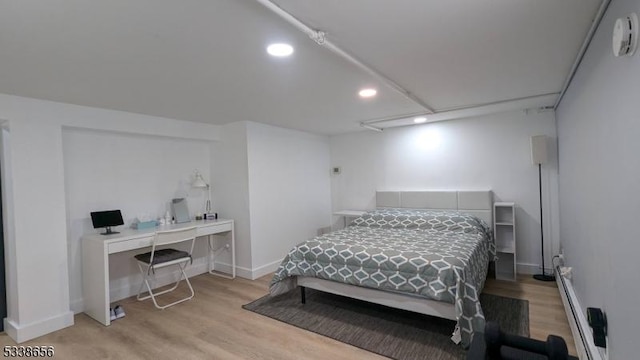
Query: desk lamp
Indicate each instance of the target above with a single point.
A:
(199, 182)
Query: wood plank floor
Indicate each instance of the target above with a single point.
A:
(214, 326)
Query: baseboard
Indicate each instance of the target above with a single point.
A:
(580, 329)
(77, 305)
(265, 269)
(531, 269)
(129, 286)
(244, 272)
(24, 332)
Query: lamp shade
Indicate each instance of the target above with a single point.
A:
(538, 149)
(199, 182)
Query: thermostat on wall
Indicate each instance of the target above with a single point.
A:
(625, 35)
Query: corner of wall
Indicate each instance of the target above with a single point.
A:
(230, 185)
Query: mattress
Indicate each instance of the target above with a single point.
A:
(437, 255)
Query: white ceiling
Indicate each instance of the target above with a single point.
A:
(205, 61)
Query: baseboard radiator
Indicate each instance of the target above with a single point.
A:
(580, 329)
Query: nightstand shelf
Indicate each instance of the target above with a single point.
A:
(504, 231)
(349, 214)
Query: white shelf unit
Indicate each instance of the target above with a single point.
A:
(346, 214)
(504, 231)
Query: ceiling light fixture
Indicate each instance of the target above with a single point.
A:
(420, 120)
(280, 49)
(367, 93)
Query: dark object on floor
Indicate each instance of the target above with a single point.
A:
(394, 333)
(497, 345)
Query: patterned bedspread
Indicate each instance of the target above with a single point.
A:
(437, 255)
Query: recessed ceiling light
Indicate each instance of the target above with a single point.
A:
(280, 49)
(420, 120)
(365, 93)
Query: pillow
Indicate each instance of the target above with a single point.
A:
(422, 219)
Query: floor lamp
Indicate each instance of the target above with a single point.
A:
(539, 157)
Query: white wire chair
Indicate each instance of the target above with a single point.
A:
(160, 258)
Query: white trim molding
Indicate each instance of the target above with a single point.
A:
(585, 347)
(263, 270)
(24, 332)
(530, 269)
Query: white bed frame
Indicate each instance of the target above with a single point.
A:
(477, 203)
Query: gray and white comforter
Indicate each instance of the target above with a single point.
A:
(433, 254)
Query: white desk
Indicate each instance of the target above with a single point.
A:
(349, 214)
(95, 259)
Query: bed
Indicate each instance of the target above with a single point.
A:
(423, 251)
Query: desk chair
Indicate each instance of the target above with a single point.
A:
(160, 258)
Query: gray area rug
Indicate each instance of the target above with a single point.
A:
(394, 333)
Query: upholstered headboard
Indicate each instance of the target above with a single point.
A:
(477, 203)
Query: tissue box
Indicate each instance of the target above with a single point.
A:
(145, 225)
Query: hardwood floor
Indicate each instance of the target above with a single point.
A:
(546, 312)
(214, 326)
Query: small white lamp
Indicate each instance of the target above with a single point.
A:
(199, 182)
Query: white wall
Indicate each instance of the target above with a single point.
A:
(38, 277)
(230, 190)
(488, 152)
(62, 161)
(274, 183)
(289, 189)
(598, 130)
(138, 174)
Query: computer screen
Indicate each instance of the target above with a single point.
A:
(106, 219)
